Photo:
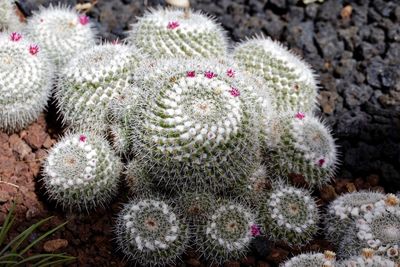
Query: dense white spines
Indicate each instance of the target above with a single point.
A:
(368, 259)
(25, 81)
(61, 32)
(290, 80)
(172, 33)
(326, 259)
(9, 20)
(81, 172)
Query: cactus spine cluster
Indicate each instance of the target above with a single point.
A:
(367, 259)
(326, 259)
(9, 20)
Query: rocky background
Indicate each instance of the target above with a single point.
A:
(354, 47)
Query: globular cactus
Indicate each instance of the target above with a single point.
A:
(367, 259)
(61, 32)
(25, 81)
(300, 144)
(289, 214)
(196, 206)
(227, 233)
(174, 33)
(342, 212)
(81, 172)
(326, 259)
(150, 232)
(378, 229)
(137, 180)
(9, 20)
(91, 80)
(257, 186)
(290, 79)
(196, 125)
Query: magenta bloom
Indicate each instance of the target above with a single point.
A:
(255, 230)
(210, 74)
(33, 49)
(230, 73)
(15, 36)
(172, 25)
(191, 74)
(83, 19)
(82, 138)
(115, 42)
(300, 115)
(234, 92)
(321, 162)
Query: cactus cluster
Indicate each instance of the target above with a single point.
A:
(367, 259)
(326, 259)
(9, 20)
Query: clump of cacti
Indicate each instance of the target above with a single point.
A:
(367, 259)
(151, 232)
(289, 214)
(61, 32)
(25, 81)
(9, 20)
(81, 172)
(326, 259)
(178, 33)
(290, 79)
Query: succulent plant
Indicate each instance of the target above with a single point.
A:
(342, 212)
(91, 80)
(290, 79)
(227, 233)
(9, 20)
(196, 126)
(150, 232)
(298, 143)
(61, 32)
(81, 172)
(175, 33)
(326, 259)
(257, 186)
(367, 259)
(196, 206)
(137, 180)
(25, 81)
(289, 214)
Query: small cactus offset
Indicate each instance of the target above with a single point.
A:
(81, 172)
(173, 33)
(290, 79)
(300, 144)
(326, 259)
(196, 206)
(9, 20)
(290, 214)
(61, 32)
(25, 81)
(150, 232)
(137, 180)
(91, 80)
(367, 259)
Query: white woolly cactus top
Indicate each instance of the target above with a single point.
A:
(367, 259)
(25, 81)
(9, 20)
(61, 31)
(326, 259)
(173, 33)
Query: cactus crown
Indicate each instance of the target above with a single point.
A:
(326, 259)
(368, 259)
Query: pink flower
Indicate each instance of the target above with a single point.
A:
(33, 49)
(230, 73)
(82, 138)
(255, 230)
(210, 74)
(191, 74)
(172, 25)
(115, 42)
(83, 19)
(300, 115)
(321, 162)
(15, 36)
(234, 92)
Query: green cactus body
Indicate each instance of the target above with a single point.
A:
(81, 172)
(196, 126)
(171, 33)
(9, 20)
(138, 181)
(290, 214)
(91, 80)
(150, 232)
(61, 32)
(25, 81)
(300, 144)
(196, 206)
(290, 80)
(326, 259)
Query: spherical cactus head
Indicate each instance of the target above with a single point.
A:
(297, 143)
(150, 232)
(9, 20)
(228, 232)
(81, 172)
(61, 32)
(290, 214)
(196, 127)
(177, 33)
(197, 206)
(91, 80)
(326, 259)
(290, 79)
(25, 81)
(137, 179)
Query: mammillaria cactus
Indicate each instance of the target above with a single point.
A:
(298, 143)
(9, 20)
(81, 172)
(25, 81)
(91, 80)
(228, 232)
(326, 259)
(61, 32)
(343, 212)
(138, 181)
(174, 33)
(196, 126)
(196, 206)
(290, 214)
(150, 232)
(290, 79)
(367, 259)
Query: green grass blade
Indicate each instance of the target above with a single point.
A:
(9, 255)
(61, 259)
(43, 258)
(7, 224)
(53, 263)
